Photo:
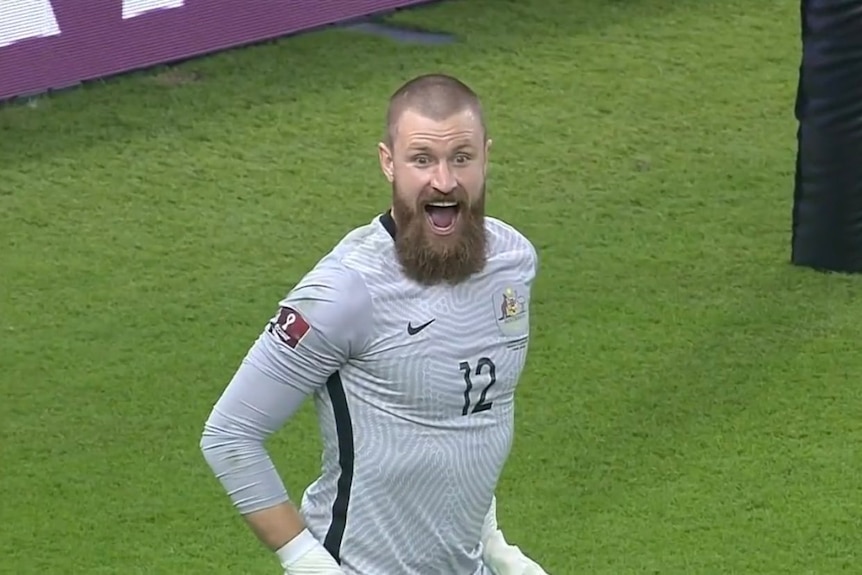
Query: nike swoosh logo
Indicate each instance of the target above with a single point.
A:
(414, 330)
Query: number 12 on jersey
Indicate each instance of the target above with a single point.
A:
(483, 367)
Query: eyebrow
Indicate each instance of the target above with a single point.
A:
(425, 148)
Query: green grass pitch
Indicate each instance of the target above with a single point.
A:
(691, 404)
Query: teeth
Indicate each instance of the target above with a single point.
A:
(443, 204)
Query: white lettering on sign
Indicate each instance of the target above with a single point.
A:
(22, 19)
(134, 8)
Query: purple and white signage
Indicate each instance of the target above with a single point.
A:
(51, 44)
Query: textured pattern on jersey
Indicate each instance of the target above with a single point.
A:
(431, 414)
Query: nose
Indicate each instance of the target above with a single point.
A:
(444, 180)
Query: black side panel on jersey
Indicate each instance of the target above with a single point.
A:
(344, 430)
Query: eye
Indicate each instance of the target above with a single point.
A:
(462, 158)
(422, 159)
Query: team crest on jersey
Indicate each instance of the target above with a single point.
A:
(511, 310)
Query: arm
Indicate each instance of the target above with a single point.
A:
(501, 557)
(318, 326)
(253, 407)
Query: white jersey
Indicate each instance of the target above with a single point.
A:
(414, 391)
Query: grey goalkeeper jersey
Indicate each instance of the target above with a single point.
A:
(414, 392)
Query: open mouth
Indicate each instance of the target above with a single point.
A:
(442, 216)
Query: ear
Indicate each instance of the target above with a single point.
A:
(386, 162)
(488, 143)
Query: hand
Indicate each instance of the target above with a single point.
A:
(304, 555)
(505, 559)
(499, 556)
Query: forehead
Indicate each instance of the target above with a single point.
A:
(413, 129)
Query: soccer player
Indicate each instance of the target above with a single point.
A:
(410, 336)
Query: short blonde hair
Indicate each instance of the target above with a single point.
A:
(435, 96)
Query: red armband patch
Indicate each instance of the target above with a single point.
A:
(290, 327)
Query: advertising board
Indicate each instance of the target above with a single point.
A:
(53, 44)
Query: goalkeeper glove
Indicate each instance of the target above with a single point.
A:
(304, 555)
(498, 555)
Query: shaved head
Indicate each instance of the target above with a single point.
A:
(434, 96)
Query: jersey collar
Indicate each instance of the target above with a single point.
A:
(388, 223)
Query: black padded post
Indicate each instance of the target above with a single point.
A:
(827, 207)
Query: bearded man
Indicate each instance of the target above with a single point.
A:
(410, 336)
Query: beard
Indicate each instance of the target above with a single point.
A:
(430, 259)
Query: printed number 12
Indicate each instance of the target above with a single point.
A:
(481, 365)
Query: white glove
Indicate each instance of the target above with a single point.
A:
(498, 555)
(304, 555)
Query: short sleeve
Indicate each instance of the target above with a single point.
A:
(317, 328)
